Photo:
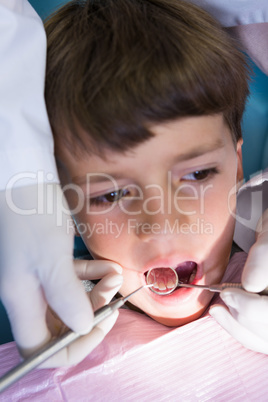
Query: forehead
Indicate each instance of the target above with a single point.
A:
(176, 141)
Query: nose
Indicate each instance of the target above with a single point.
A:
(161, 220)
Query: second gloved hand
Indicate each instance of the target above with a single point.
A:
(246, 318)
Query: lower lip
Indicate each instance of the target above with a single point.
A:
(179, 295)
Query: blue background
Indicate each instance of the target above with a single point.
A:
(255, 134)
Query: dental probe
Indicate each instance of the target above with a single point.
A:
(57, 344)
(220, 287)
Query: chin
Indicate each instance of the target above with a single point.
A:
(177, 322)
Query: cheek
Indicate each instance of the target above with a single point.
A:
(131, 281)
(221, 208)
(105, 236)
(221, 201)
(220, 214)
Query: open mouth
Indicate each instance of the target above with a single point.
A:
(165, 279)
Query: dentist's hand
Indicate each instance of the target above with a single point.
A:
(101, 294)
(246, 318)
(36, 266)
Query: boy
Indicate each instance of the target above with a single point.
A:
(145, 100)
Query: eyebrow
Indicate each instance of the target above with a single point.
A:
(200, 150)
(193, 153)
(99, 178)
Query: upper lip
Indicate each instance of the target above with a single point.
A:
(167, 262)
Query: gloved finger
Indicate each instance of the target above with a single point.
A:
(105, 290)
(26, 309)
(95, 269)
(249, 310)
(102, 293)
(66, 296)
(255, 272)
(237, 331)
(257, 328)
(79, 349)
(252, 306)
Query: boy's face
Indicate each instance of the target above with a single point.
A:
(166, 203)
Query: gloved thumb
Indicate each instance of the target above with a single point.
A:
(237, 331)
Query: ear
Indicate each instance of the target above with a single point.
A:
(239, 173)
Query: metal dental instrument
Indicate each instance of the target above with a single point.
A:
(219, 287)
(57, 344)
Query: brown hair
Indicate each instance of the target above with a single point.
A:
(114, 67)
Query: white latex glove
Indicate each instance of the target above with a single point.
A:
(36, 266)
(247, 317)
(254, 41)
(235, 12)
(247, 21)
(101, 294)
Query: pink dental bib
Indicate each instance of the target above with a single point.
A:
(141, 360)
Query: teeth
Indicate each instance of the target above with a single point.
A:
(150, 280)
(192, 276)
(164, 280)
(171, 284)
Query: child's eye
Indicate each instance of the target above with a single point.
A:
(109, 198)
(200, 175)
